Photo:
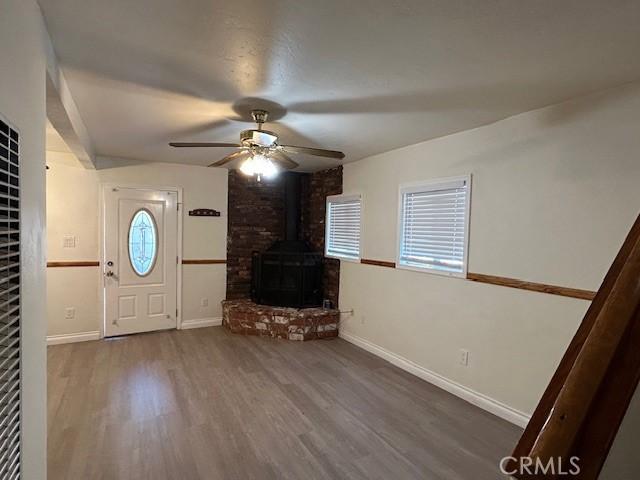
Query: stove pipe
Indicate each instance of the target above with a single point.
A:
(292, 200)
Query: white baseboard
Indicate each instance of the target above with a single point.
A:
(478, 399)
(201, 322)
(72, 338)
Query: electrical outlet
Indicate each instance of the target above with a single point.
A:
(69, 313)
(204, 302)
(362, 320)
(464, 357)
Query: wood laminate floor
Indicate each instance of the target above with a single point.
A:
(207, 404)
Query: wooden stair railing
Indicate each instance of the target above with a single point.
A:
(585, 402)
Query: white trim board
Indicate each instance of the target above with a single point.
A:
(201, 322)
(475, 398)
(73, 338)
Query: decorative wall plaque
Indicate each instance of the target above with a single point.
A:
(204, 212)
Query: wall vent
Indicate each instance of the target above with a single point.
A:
(9, 302)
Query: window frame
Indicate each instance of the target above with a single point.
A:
(430, 185)
(337, 198)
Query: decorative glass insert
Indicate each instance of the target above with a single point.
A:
(143, 242)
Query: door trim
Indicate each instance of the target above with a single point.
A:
(101, 241)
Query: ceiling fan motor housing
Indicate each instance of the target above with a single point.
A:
(262, 138)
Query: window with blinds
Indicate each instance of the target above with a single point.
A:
(342, 236)
(9, 303)
(434, 224)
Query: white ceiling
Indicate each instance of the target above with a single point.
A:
(362, 76)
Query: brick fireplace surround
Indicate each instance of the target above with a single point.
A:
(256, 221)
(245, 317)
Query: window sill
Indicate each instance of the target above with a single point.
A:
(431, 271)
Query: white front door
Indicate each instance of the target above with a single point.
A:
(140, 260)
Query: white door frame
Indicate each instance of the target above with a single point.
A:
(101, 233)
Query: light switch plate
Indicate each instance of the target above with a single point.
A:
(464, 357)
(69, 241)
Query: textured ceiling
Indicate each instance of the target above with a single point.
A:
(362, 76)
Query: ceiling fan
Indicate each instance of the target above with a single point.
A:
(259, 150)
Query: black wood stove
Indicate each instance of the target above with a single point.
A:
(288, 274)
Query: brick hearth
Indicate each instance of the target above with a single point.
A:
(248, 318)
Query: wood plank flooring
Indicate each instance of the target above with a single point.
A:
(207, 404)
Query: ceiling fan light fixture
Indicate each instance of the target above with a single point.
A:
(247, 167)
(259, 166)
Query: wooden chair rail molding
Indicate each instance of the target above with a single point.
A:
(211, 261)
(508, 282)
(587, 398)
(72, 264)
(532, 286)
(379, 263)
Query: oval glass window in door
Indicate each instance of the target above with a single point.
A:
(143, 242)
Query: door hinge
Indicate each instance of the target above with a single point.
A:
(177, 260)
(176, 313)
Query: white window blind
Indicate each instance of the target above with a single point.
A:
(433, 226)
(342, 237)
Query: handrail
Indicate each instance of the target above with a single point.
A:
(590, 367)
(599, 358)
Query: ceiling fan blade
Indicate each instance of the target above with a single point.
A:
(231, 157)
(318, 152)
(202, 127)
(202, 144)
(283, 160)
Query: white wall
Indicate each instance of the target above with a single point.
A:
(73, 209)
(23, 41)
(554, 192)
(623, 460)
